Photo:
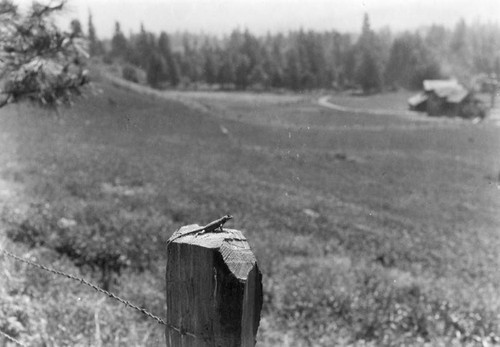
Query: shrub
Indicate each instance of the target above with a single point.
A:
(130, 74)
(97, 237)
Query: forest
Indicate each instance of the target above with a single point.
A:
(300, 60)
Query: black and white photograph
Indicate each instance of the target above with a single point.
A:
(239, 173)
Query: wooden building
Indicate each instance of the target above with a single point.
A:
(447, 98)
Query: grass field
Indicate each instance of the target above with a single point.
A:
(369, 229)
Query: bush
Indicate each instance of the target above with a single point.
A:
(97, 237)
(130, 74)
(107, 59)
(368, 303)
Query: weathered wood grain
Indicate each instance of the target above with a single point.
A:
(214, 290)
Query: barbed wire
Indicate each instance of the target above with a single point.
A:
(98, 289)
(8, 337)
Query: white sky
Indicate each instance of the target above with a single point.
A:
(260, 16)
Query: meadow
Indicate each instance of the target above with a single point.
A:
(370, 229)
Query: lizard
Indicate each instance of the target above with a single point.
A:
(209, 228)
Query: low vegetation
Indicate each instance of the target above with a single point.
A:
(370, 229)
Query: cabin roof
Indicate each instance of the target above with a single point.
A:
(417, 99)
(450, 90)
(431, 85)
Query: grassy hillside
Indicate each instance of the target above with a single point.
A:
(369, 229)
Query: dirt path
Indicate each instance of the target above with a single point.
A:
(324, 101)
(194, 100)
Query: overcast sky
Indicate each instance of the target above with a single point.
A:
(260, 16)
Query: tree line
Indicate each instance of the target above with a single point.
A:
(304, 60)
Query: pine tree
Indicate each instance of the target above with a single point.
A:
(258, 77)
(410, 63)
(156, 70)
(76, 28)
(92, 36)
(95, 46)
(164, 45)
(210, 68)
(119, 44)
(144, 47)
(368, 75)
(367, 38)
(272, 64)
(165, 50)
(459, 40)
(242, 71)
(349, 67)
(401, 61)
(227, 72)
(174, 70)
(293, 70)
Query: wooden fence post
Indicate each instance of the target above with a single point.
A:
(214, 290)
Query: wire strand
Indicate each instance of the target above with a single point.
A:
(103, 291)
(8, 337)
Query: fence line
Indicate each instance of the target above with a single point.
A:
(96, 288)
(214, 288)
